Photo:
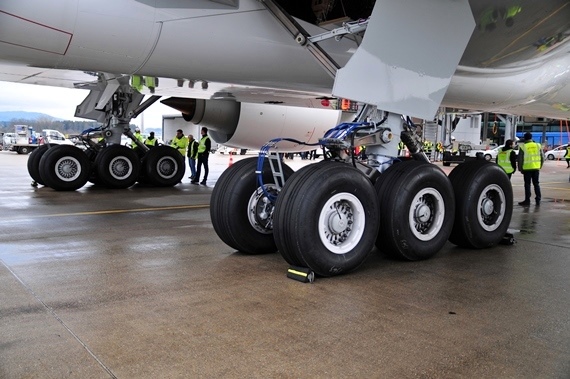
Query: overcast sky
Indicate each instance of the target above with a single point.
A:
(61, 102)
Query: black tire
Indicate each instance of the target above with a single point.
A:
(417, 208)
(164, 166)
(117, 166)
(289, 255)
(487, 157)
(484, 204)
(550, 157)
(327, 218)
(236, 204)
(65, 168)
(34, 163)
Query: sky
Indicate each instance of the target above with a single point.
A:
(61, 102)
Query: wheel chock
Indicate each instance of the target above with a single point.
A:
(508, 239)
(302, 274)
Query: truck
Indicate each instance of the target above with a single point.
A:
(27, 139)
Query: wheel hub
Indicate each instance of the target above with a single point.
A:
(166, 167)
(260, 209)
(339, 221)
(491, 207)
(67, 169)
(120, 168)
(423, 213)
(426, 214)
(488, 207)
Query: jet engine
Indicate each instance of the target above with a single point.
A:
(250, 125)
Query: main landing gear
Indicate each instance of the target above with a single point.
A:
(103, 160)
(329, 215)
(68, 168)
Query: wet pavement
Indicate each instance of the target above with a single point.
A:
(135, 283)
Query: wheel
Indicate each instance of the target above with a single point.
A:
(550, 157)
(484, 204)
(34, 163)
(290, 255)
(417, 207)
(241, 212)
(117, 166)
(487, 157)
(65, 168)
(326, 218)
(24, 150)
(164, 166)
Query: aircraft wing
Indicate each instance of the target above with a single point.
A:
(516, 60)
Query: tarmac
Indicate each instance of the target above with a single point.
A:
(135, 283)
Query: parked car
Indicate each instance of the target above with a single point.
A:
(556, 153)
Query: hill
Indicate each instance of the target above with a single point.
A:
(21, 115)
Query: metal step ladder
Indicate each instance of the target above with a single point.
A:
(276, 170)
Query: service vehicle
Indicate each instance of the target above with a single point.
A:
(26, 139)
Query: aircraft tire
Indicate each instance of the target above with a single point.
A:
(65, 168)
(34, 163)
(327, 218)
(484, 204)
(417, 208)
(164, 166)
(117, 166)
(299, 176)
(236, 205)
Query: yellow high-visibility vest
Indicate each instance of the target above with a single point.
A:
(504, 160)
(532, 157)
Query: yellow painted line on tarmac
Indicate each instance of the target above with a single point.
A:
(117, 211)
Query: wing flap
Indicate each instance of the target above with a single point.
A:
(408, 55)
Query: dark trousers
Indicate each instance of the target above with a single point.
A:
(531, 176)
(202, 161)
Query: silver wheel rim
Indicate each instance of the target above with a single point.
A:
(491, 207)
(260, 209)
(166, 167)
(120, 167)
(341, 223)
(427, 212)
(67, 169)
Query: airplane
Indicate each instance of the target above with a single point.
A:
(268, 73)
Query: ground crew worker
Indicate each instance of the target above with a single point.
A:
(138, 136)
(567, 156)
(530, 161)
(192, 155)
(204, 147)
(439, 148)
(507, 158)
(180, 142)
(150, 141)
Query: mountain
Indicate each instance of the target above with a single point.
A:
(21, 115)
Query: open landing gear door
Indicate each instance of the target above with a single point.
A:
(407, 58)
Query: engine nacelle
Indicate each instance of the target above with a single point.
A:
(250, 125)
